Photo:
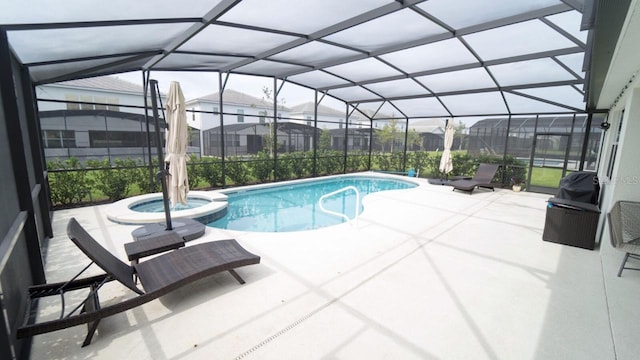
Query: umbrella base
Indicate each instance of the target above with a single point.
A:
(187, 229)
(439, 181)
(448, 180)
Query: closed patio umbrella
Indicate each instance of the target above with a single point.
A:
(175, 187)
(176, 146)
(446, 165)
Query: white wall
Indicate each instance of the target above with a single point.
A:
(205, 121)
(624, 183)
(625, 180)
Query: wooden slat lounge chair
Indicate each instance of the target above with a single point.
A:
(483, 177)
(158, 276)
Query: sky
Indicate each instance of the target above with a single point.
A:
(199, 84)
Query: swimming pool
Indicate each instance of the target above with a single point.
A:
(294, 207)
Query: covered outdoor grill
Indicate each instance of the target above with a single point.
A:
(572, 215)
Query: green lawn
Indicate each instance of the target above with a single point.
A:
(547, 177)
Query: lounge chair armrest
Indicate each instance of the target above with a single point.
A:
(53, 288)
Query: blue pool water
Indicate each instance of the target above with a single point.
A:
(157, 205)
(294, 207)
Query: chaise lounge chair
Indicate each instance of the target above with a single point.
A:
(158, 276)
(624, 229)
(483, 177)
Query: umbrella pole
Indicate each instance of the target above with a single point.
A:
(162, 173)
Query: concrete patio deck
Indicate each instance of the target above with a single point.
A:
(427, 273)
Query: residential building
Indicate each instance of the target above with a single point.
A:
(98, 118)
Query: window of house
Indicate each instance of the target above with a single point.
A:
(101, 103)
(98, 139)
(338, 141)
(232, 140)
(86, 100)
(215, 109)
(263, 115)
(125, 139)
(341, 124)
(240, 113)
(68, 138)
(214, 138)
(72, 97)
(57, 139)
(113, 104)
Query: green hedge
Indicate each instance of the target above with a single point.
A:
(114, 180)
(72, 183)
(68, 181)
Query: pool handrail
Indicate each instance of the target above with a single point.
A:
(346, 188)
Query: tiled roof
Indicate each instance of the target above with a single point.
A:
(231, 96)
(322, 109)
(110, 83)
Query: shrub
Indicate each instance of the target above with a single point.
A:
(432, 166)
(141, 178)
(390, 162)
(418, 160)
(383, 161)
(329, 162)
(463, 164)
(114, 182)
(211, 171)
(70, 185)
(237, 171)
(262, 167)
(356, 162)
(283, 169)
(300, 163)
(194, 171)
(396, 161)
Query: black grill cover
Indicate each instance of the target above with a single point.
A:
(580, 186)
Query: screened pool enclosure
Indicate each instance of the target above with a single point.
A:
(337, 86)
(499, 69)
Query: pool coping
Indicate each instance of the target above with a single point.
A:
(120, 211)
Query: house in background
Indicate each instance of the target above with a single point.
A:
(332, 121)
(431, 134)
(328, 118)
(98, 118)
(358, 139)
(203, 113)
(96, 135)
(240, 139)
(247, 118)
(100, 93)
(104, 117)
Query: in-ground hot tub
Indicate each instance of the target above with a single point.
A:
(149, 208)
